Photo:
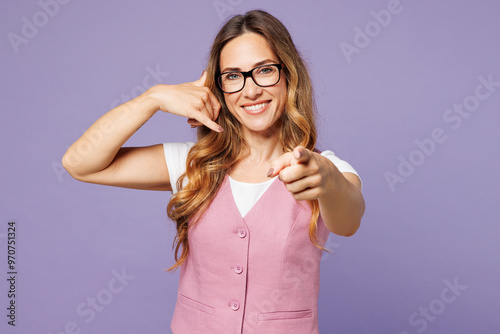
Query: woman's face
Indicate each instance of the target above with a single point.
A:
(256, 108)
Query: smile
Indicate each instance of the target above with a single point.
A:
(256, 106)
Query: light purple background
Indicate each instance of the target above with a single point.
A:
(441, 224)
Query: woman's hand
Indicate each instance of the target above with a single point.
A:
(307, 175)
(192, 100)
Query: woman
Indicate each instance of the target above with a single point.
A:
(253, 200)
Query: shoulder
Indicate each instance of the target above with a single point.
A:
(176, 156)
(177, 148)
(342, 165)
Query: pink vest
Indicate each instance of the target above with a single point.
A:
(258, 274)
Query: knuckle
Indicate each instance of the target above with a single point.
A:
(204, 118)
(317, 179)
(196, 105)
(314, 168)
(205, 92)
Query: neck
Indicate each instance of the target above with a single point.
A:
(264, 146)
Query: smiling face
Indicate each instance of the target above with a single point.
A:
(256, 108)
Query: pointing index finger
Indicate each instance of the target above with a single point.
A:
(301, 154)
(280, 163)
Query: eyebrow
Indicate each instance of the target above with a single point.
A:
(262, 62)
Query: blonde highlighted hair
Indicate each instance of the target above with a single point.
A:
(215, 153)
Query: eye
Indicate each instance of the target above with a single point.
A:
(265, 70)
(232, 76)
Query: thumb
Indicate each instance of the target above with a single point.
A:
(201, 81)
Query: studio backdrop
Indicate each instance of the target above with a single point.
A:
(408, 92)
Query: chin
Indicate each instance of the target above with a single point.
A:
(260, 127)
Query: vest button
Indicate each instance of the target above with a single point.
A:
(235, 305)
(242, 233)
(238, 269)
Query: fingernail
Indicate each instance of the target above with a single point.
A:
(298, 155)
(220, 129)
(270, 172)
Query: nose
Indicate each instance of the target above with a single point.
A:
(251, 89)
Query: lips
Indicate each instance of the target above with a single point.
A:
(256, 108)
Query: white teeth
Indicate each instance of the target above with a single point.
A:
(256, 106)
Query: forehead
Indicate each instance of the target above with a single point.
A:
(245, 51)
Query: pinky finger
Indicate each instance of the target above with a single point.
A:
(205, 120)
(307, 194)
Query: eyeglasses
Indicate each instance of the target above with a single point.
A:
(263, 76)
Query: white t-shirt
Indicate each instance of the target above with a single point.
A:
(245, 194)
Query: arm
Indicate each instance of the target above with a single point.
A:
(309, 175)
(98, 156)
(342, 205)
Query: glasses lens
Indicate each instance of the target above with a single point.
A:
(231, 81)
(266, 75)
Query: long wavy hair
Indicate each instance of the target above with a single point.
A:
(215, 153)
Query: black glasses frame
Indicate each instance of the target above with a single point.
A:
(249, 74)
